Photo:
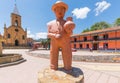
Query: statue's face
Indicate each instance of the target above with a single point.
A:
(59, 12)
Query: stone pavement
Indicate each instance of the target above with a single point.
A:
(27, 72)
(100, 72)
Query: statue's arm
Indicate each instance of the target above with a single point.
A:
(50, 34)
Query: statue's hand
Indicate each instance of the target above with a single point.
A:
(57, 36)
(51, 35)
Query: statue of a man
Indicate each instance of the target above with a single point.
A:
(59, 30)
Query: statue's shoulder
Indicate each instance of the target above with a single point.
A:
(51, 22)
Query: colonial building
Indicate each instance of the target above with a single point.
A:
(97, 40)
(15, 35)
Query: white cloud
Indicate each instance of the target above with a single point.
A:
(81, 13)
(101, 6)
(29, 35)
(41, 35)
(36, 35)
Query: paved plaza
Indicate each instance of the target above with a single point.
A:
(79, 52)
(27, 72)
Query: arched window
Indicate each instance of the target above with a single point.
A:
(16, 23)
(23, 37)
(8, 35)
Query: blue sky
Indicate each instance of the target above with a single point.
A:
(36, 13)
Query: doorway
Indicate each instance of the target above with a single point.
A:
(16, 42)
(95, 46)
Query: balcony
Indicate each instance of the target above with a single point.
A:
(96, 39)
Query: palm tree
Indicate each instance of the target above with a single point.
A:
(46, 43)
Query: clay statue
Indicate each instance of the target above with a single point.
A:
(59, 30)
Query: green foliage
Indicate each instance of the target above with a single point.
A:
(117, 22)
(86, 30)
(98, 26)
(46, 43)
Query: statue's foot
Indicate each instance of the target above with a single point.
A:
(68, 71)
(54, 69)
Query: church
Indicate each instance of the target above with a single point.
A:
(15, 35)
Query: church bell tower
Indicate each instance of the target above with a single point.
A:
(15, 17)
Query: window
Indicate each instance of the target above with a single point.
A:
(85, 38)
(8, 35)
(95, 38)
(75, 39)
(23, 37)
(74, 45)
(105, 45)
(16, 23)
(87, 46)
(81, 46)
(16, 30)
(105, 36)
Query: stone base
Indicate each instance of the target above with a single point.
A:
(9, 58)
(61, 76)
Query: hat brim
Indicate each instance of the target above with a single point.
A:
(60, 4)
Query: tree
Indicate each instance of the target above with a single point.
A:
(43, 42)
(46, 43)
(117, 22)
(86, 30)
(99, 26)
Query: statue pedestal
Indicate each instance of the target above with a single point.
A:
(61, 76)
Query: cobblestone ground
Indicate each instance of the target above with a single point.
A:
(27, 72)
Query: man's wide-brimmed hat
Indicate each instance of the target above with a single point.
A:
(60, 3)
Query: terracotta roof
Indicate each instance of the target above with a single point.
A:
(98, 31)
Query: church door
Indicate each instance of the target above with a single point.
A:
(16, 43)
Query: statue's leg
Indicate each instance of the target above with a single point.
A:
(54, 56)
(67, 56)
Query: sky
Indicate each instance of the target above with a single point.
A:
(36, 13)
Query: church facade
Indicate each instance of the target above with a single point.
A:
(15, 35)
